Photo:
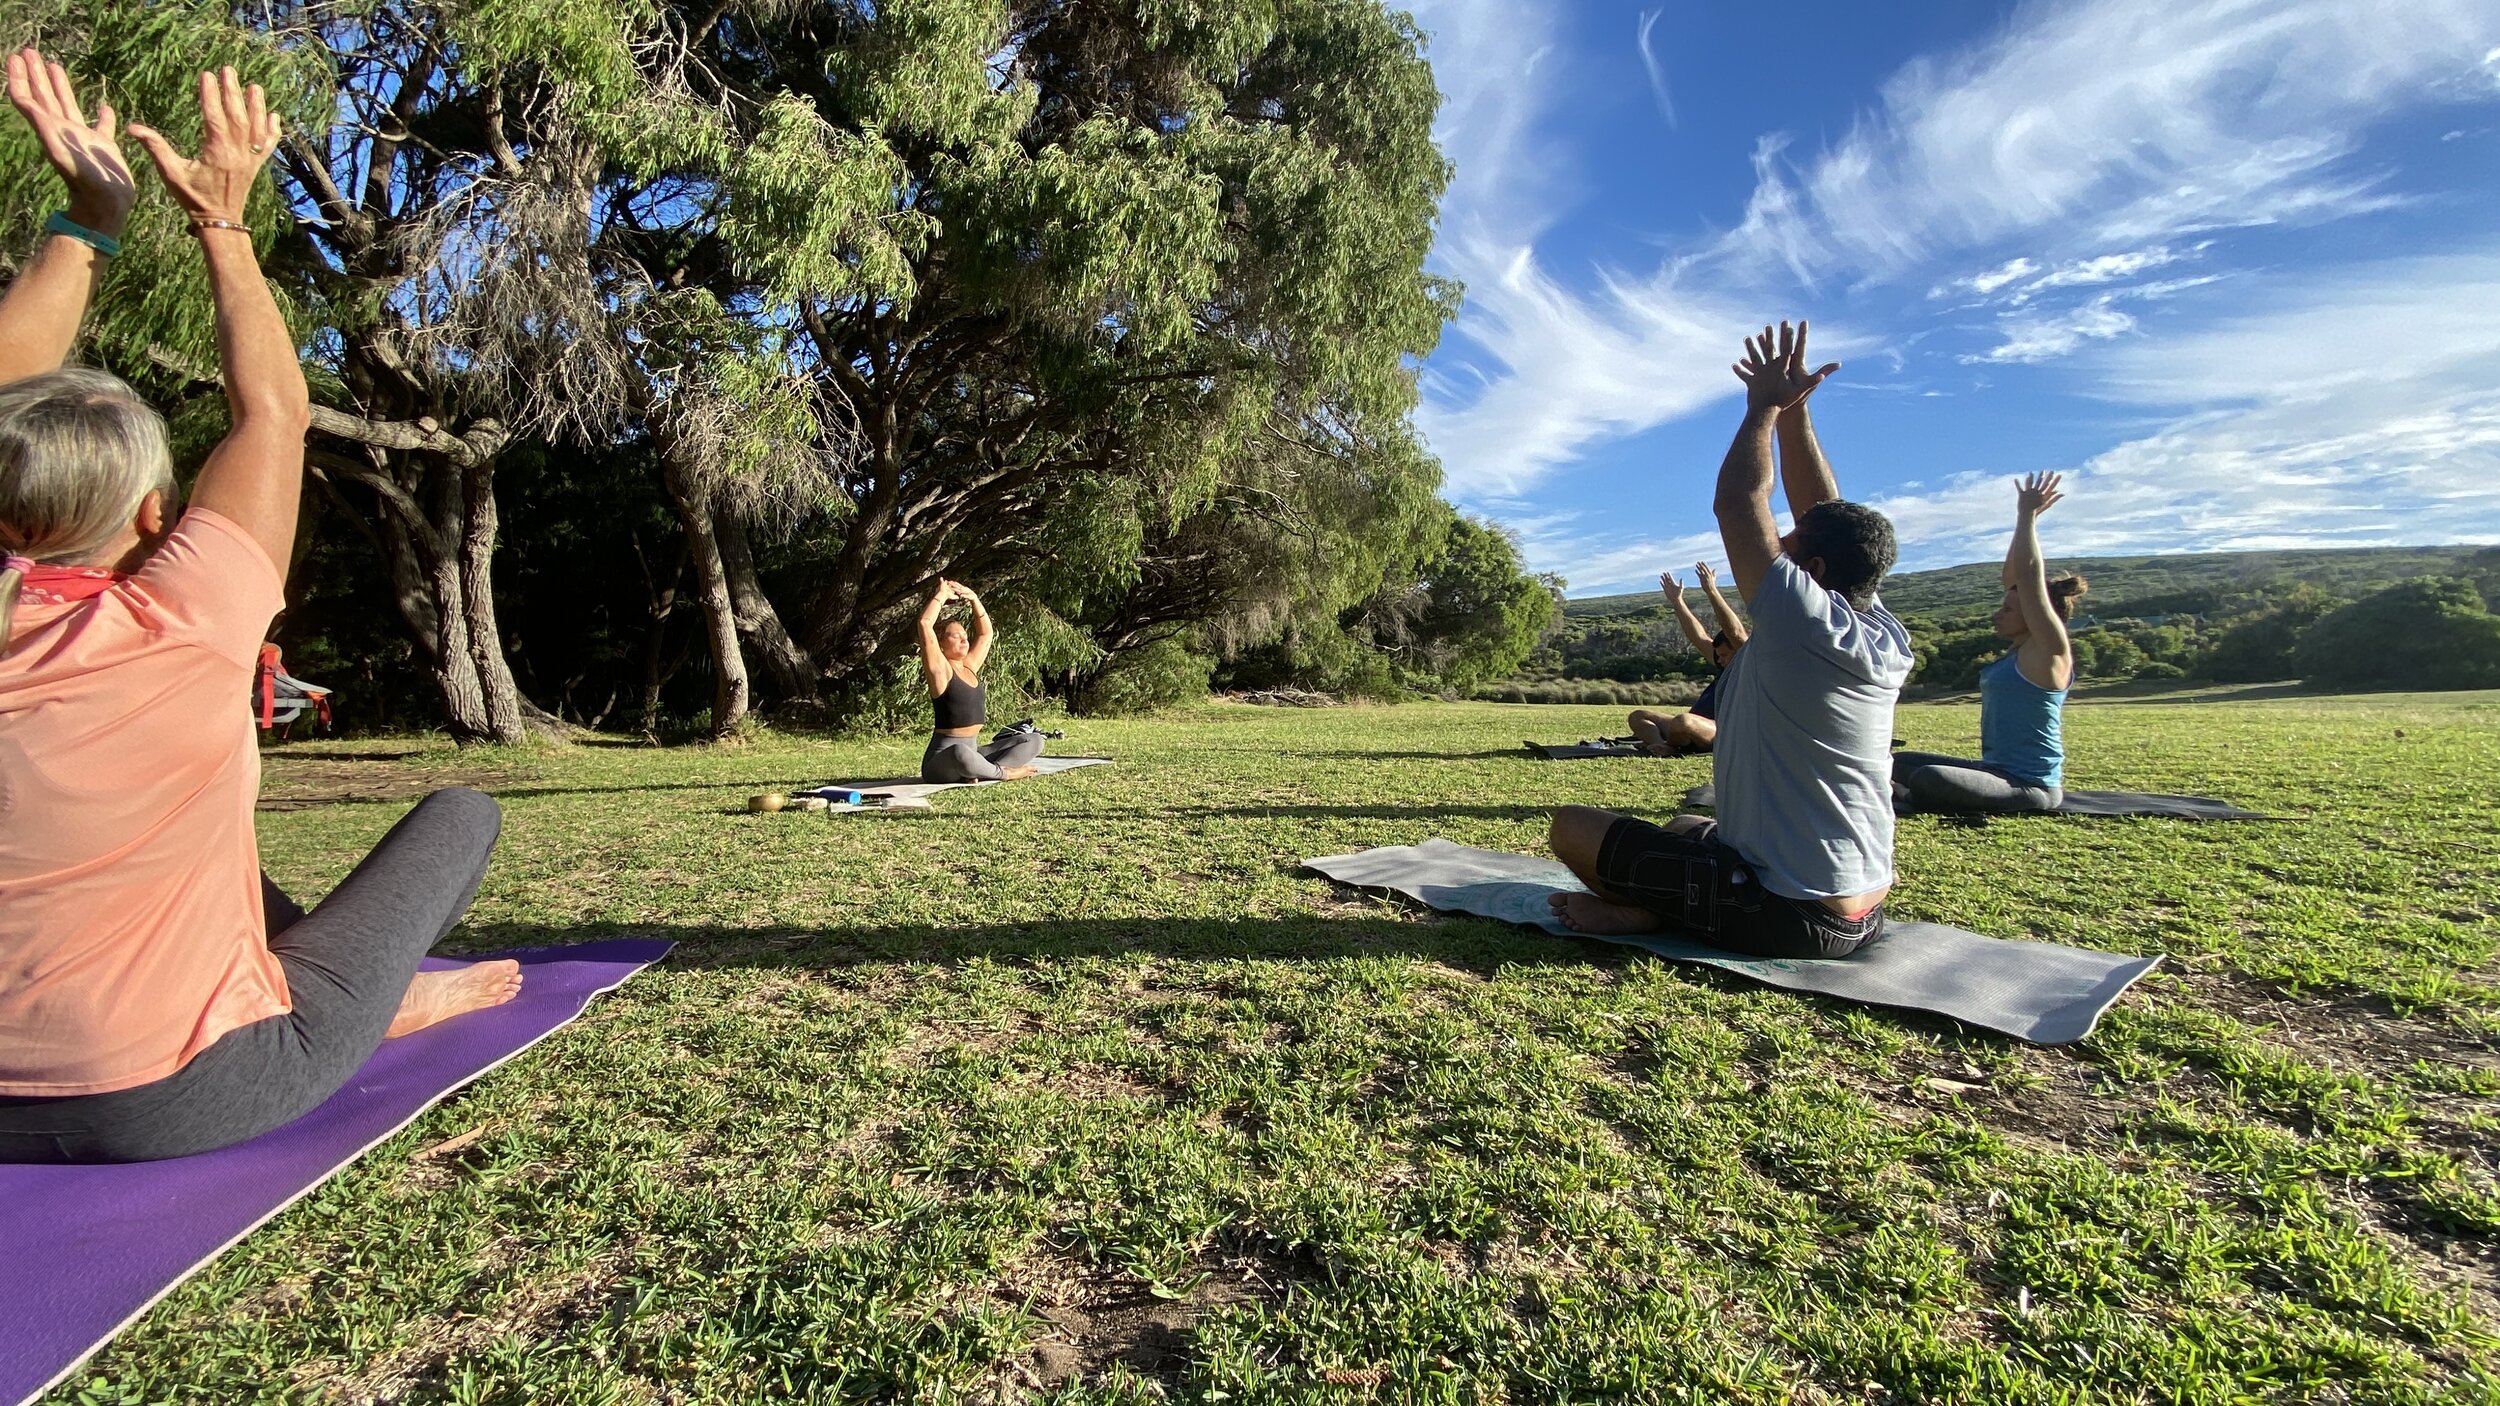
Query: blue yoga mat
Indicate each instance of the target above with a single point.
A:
(85, 1250)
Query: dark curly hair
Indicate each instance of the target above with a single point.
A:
(1855, 543)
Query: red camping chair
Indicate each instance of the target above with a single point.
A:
(280, 698)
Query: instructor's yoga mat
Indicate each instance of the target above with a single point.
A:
(913, 788)
(2076, 803)
(85, 1250)
(2035, 991)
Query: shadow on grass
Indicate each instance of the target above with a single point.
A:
(1519, 753)
(1474, 944)
(1254, 810)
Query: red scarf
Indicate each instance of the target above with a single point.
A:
(60, 585)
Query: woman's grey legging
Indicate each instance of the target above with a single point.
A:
(1957, 785)
(347, 964)
(952, 759)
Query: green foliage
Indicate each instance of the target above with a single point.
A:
(1158, 676)
(2434, 632)
(2143, 586)
(1476, 612)
(2258, 647)
(1670, 693)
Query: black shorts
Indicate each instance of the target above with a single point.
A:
(1708, 892)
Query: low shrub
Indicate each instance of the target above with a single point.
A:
(1663, 693)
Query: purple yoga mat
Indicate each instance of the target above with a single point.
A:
(85, 1250)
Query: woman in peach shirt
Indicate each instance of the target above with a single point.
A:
(158, 997)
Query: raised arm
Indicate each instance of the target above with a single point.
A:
(982, 632)
(40, 314)
(254, 478)
(2046, 656)
(1694, 634)
(1743, 501)
(1803, 469)
(1730, 623)
(932, 656)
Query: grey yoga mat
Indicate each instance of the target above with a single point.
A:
(2076, 803)
(913, 788)
(1573, 751)
(2035, 991)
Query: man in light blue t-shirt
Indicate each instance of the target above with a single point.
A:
(1800, 859)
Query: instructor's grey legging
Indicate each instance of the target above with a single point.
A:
(1945, 785)
(347, 964)
(952, 759)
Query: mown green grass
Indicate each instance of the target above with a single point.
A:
(1076, 1089)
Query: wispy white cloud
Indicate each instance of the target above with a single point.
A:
(2119, 122)
(2033, 338)
(2100, 136)
(2355, 407)
(2104, 117)
(2350, 407)
(1656, 68)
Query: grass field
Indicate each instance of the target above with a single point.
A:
(1077, 1089)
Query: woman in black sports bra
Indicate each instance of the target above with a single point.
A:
(953, 660)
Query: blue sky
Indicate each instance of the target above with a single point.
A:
(2233, 265)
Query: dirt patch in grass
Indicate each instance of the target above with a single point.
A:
(302, 781)
(1093, 1321)
(2345, 1033)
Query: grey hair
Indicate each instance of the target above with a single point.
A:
(79, 451)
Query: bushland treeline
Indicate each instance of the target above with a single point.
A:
(665, 354)
(2418, 618)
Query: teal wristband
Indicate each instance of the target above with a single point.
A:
(62, 224)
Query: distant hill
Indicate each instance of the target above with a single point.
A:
(2140, 585)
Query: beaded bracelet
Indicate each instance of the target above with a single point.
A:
(62, 224)
(199, 227)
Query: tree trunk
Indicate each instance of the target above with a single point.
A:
(436, 521)
(655, 639)
(507, 716)
(720, 615)
(792, 673)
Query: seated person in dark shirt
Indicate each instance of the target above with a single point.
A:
(1674, 734)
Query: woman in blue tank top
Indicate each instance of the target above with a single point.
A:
(2022, 752)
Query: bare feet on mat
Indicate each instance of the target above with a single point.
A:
(435, 997)
(1586, 912)
(1018, 773)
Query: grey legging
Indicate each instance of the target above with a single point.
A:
(965, 759)
(1945, 785)
(347, 965)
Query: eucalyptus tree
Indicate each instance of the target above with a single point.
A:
(1111, 306)
(1164, 289)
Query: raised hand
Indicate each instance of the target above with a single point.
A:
(1702, 570)
(2037, 493)
(1673, 587)
(238, 132)
(90, 163)
(1774, 369)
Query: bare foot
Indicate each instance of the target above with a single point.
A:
(435, 997)
(1018, 773)
(1586, 912)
